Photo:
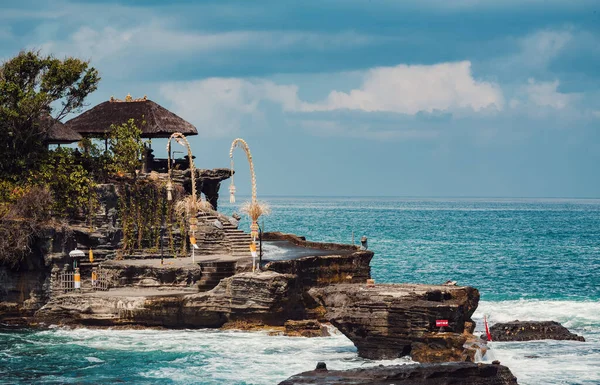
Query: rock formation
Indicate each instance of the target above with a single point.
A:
(305, 328)
(390, 321)
(532, 330)
(458, 373)
(268, 298)
(210, 183)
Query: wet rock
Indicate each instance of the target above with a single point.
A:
(263, 299)
(391, 321)
(342, 264)
(305, 328)
(532, 330)
(457, 373)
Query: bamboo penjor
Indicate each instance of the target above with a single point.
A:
(190, 205)
(254, 209)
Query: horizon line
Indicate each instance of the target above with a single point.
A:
(424, 196)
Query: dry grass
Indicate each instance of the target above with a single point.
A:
(189, 206)
(21, 222)
(255, 209)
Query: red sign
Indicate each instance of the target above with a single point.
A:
(441, 322)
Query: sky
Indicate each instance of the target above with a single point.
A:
(456, 98)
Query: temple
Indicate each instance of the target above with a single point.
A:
(155, 251)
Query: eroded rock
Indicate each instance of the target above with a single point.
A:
(457, 373)
(391, 321)
(532, 330)
(305, 328)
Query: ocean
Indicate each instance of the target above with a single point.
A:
(531, 259)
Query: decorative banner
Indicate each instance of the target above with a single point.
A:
(91, 256)
(441, 322)
(487, 330)
(77, 280)
(254, 230)
(193, 227)
(253, 249)
(193, 221)
(193, 240)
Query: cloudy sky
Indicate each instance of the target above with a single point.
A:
(354, 97)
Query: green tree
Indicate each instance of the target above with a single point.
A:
(32, 85)
(125, 144)
(71, 185)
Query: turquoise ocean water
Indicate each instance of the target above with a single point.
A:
(530, 259)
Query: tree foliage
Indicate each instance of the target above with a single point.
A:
(32, 85)
(126, 146)
(72, 186)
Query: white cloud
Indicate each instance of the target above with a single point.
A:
(155, 38)
(546, 94)
(409, 89)
(221, 106)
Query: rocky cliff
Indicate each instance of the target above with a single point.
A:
(462, 373)
(390, 321)
(532, 330)
(268, 298)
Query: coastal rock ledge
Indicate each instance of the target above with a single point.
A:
(532, 330)
(457, 373)
(391, 321)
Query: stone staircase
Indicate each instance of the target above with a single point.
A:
(236, 241)
(213, 272)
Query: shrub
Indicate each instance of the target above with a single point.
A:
(21, 222)
(71, 184)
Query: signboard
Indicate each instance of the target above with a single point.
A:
(441, 322)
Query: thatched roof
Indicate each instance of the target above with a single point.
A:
(56, 132)
(159, 122)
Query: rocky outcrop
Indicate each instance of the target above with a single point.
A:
(268, 298)
(145, 275)
(327, 269)
(390, 321)
(458, 373)
(343, 264)
(301, 241)
(305, 328)
(532, 330)
(209, 183)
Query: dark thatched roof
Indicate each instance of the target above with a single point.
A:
(56, 132)
(159, 122)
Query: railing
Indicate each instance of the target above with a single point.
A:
(69, 281)
(66, 281)
(100, 279)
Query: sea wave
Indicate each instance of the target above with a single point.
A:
(572, 314)
(547, 362)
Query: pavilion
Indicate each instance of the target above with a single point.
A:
(153, 120)
(57, 132)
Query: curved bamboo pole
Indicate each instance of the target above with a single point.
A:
(179, 137)
(241, 143)
(254, 209)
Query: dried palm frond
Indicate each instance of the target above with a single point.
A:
(255, 209)
(190, 206)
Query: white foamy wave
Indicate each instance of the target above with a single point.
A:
(548, 361)
(94, 360)
(572, 314)
(217, 357)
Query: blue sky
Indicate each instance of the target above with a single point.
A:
(394, 98)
